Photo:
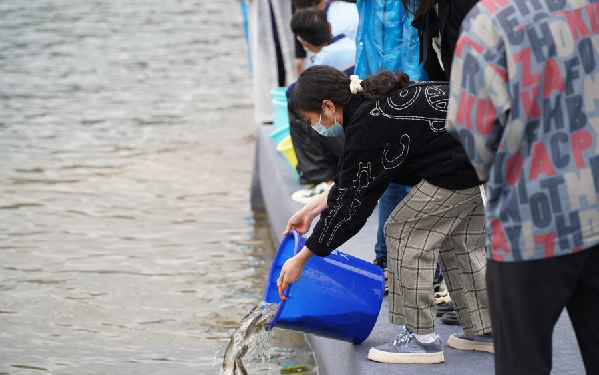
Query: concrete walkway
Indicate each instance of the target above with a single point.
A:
(272, 184)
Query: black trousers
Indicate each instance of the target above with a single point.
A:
(527, 298)
(317, 155)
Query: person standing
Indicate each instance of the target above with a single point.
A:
(438, 23)
(525, 105)
(386, 40)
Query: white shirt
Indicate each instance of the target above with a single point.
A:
(344, 19)
(340, 54)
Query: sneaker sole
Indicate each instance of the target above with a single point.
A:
(458, 343)
(386, 357)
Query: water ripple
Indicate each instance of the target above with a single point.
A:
(126, 237)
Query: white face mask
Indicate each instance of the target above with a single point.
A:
(334, 131)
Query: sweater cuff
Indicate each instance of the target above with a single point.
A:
(322, 250)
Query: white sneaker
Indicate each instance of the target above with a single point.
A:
(442, 296)
(305, 195)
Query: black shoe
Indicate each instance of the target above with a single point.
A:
(444, 308)
(437, 282)
(450, 318)
(379, 263)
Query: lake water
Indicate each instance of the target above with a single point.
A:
(127, 243)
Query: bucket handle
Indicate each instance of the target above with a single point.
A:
(281, 292)
(296, 235)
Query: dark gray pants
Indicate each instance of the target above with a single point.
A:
(527, 298)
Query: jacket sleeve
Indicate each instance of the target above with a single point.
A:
(362, 179)
(479, 98)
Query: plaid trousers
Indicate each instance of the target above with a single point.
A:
(433, 225)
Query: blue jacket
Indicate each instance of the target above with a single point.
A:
(386, 39)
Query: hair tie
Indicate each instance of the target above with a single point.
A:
(355, 84)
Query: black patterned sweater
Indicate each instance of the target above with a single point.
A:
(399, 139)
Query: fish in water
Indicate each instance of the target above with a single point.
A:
(244, 338)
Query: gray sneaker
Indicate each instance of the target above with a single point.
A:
(407, 349)
(482, 343)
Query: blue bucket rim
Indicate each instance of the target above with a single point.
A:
(280, 88)
(287, 291)
(278, 131)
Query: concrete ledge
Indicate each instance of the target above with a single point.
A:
(272, 186)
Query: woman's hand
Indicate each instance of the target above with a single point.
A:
(293, 267)
(300, 221)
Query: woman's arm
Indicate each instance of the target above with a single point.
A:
(302, 219)
(293, 267)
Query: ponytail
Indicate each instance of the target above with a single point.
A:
(383, 83)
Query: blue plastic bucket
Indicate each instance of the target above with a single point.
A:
(338, 296)
(278, 135)
(281, 116)
(279, 93)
